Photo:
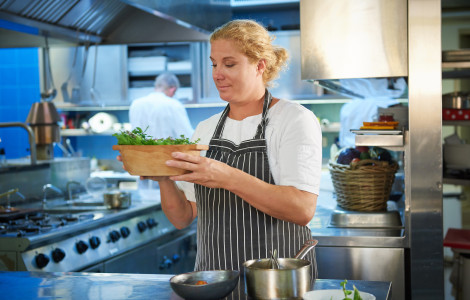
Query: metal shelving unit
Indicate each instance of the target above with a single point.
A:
(453, 67)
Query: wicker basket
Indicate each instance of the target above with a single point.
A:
(363, 186)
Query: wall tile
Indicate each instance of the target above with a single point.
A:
(19, 88)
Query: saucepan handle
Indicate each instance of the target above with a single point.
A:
(308, 245)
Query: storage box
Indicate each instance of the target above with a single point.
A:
(147, 65)
(179, 66)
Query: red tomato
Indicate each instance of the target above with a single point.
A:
(355, 160)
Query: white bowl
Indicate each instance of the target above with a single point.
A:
(333, 295)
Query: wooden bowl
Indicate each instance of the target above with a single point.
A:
(143, 160)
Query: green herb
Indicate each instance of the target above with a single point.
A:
(347, 293)
(139, 137)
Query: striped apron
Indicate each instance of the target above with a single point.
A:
(229, 230)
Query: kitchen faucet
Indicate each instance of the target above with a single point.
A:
(49, 187)
(69, 189)
(31, 137)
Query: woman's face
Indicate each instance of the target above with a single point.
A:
(236, 79)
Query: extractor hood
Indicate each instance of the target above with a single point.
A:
(345, 40)
(24, 23)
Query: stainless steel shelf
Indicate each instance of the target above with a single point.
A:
(83, 132)
(71, 107)
(455, 181)
(456, 65)
(155, 73)
(456, 123)
(395, 142)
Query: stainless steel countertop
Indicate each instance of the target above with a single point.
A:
(105, 286)
(348, 237)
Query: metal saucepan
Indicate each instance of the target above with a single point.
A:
(290, 281)
(117, 199)
(456, 100)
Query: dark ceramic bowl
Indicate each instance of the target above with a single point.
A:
(220, 283)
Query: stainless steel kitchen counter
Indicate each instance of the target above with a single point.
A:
(348, 237)
(103, 286)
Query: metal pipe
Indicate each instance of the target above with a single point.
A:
(32, 138)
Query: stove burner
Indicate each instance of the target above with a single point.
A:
(38, 216)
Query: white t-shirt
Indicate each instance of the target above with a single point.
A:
(294, 144)
(163, 115)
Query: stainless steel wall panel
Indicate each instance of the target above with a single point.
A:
(423, 160)
(355, 263)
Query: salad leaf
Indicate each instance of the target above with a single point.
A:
(347, 293)
(138, 137)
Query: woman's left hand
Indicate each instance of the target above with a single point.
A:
(204, 171)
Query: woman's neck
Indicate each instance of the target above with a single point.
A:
(241, 110)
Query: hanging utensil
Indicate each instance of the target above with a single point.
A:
(76, 96)
(95, 96)
(70, 148)
(64, 150)
(50, 91)
(64, 86)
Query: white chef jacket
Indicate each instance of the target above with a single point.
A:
(164, 116)
(293, 137)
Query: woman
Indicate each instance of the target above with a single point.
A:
(256, 188)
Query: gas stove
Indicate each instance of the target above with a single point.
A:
(35, 223)
(66, 242)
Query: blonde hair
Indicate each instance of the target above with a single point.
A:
(254, 41)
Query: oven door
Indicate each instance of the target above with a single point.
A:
(170, 255)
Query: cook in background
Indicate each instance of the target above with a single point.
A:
(164, 115)
(257, 186)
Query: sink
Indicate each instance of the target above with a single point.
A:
(77, 206)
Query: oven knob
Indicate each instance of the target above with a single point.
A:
(166, 263)
(151, 223)
(81, 246)
(41, 260)
(114, 236)
(142, 226)
(175, 258)
(58, 255)
(94, 242)
(125, 231)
